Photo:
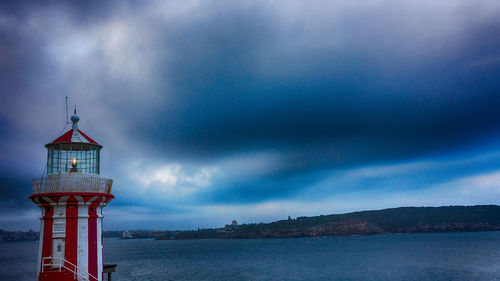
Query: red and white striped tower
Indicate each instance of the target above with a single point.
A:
(71, 196)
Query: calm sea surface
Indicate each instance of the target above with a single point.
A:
(443, 256)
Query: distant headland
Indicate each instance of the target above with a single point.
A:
(394, 220)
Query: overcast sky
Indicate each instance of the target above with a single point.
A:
(211, 111)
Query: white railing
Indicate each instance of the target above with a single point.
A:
(60, 263)
(72, 182)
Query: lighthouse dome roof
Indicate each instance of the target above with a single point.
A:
(74, 135)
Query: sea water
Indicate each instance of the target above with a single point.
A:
(437, 256)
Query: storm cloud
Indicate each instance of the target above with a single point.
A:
(235, 108)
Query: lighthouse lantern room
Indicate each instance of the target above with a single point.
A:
(71, 196)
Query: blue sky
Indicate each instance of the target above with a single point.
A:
(211, 111)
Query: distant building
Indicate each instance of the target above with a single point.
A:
(234, 223)
(126, 235)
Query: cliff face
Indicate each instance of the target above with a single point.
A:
(396, 220)
(347, 227)
(357, 227)
(450, 227)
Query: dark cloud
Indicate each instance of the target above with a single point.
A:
(361, 103)
(321, 88)
(16, 188)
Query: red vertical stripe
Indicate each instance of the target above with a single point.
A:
(48, 222)
(93, 240)
(71, 247)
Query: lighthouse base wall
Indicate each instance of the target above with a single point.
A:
(71, 236)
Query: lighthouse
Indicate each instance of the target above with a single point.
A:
(71, 196)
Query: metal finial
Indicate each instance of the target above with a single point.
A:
(75, 119)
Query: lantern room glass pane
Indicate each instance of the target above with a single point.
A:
(60, 158)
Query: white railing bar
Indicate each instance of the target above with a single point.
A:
(72, 182)
(62, 262)
(76, 271)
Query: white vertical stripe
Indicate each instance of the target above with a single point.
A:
(59, 225)
(99, 243)
(83, 241)
(40, 244)
(60, 212)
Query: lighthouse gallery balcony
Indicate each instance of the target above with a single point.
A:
(72, 182)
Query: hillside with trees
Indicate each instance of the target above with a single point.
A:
(395, 220)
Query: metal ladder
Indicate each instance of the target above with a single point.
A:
(77, 271)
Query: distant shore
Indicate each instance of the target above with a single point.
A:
(19, 235)
(394, 220)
